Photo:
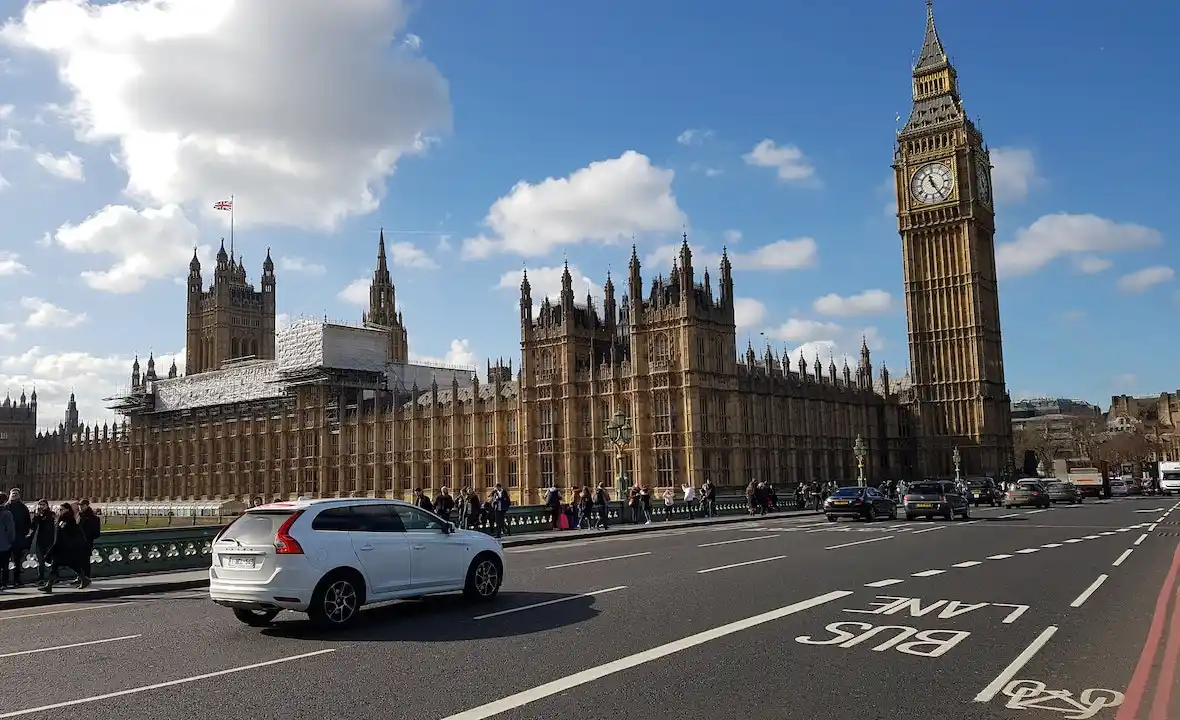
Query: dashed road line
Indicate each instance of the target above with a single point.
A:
(741, 564)
(884, 583)
(1001, 556)
(1126, 554)
(859, 542)
(928, 573)
(739, 540)
(597, 560)
(1141, 539)
(967, 564)
(533, 606)
(931, 529)
(1028, 551)
(1051, 545)
(1081, 599)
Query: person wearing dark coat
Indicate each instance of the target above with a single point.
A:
(44, 528)
(91, 528)
(21, 522)
(68, 543)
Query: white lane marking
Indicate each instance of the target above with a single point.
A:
(970, 522)
(1034, 512)
(542, 548)
(884, 583)
(1152, 528)
(1081, 599)
(931, 529)
(588, 676)
(1071, 541)
(1051, 545)
(67, 647)
(858, 542)
(739, 540)
(741, 564)
(967, 564)
(522, 608)
(597, 560)
(160, 686)
(1028, 551)
(1091, 537)
(1001, 517)
(1006, 675)
(1125, 529)
(67, 610)
(1108, 532)
(1140, 539)
(928, 573)
(1126, 554)
(1001, 556)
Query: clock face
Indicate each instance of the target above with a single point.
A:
(984, 182)
(932, 183)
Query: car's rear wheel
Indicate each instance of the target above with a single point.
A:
(336, 601)
(893, 513)
(871, 515)
(256, 618)
(950, 513)
(484, 578)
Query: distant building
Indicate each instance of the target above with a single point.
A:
(1157, 417)
(1055, 423)
(18, 430)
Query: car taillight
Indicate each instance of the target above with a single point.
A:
(284, 543)
(905, 498)
(858, 501)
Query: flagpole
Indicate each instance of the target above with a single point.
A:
(231, 227)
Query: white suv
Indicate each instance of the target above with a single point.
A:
(329, 557)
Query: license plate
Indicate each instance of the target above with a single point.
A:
(240, 563)
(840, 502)
(925, 505)
(977, 493)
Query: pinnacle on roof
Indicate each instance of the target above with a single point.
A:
(933, 55)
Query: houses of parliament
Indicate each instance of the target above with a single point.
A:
(332, 409)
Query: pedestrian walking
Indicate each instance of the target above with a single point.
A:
(21, 521)
(600, 500)
(44, 528)
(67, 547)
(7, 541)
(669, 501)
(690, 500)
(91, 528)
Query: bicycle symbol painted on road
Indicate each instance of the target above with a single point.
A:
(1033, 695)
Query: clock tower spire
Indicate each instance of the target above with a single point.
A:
(947, 225)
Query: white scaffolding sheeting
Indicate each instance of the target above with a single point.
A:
(308, 344)
(410, 373)
(243, 382)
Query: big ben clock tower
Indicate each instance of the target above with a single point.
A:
(947, 225)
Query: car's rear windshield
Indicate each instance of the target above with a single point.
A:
(977, 483)
(848, 492)
(925, 489)
(256, 528)
(1058, 486)
(1028, 483)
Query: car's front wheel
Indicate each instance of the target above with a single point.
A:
(256, 618)
(484, 578)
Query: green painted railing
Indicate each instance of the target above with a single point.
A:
(132, 552)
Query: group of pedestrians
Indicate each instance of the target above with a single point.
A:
(588, 508)
(473, 511)
(58, 539)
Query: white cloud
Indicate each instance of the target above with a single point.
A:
(606, 201)
(545, 282)
(300, 266)
(459, 353)
(6, 111)
(12, 141)
(796, 330)
(748, 313)
(1092, 264)
(92, 378)
(444, 244)
(787, 160)
(779, 255)
(206, 96)
(409, 255)
(7, 331)
(10, 264)
(66, 167)
(149, 244)
(810, 338)
(732, 237)
(869, 302)
(282, 320)
(356, 292)
(1014, 174)
(1063, 234)
(694, 136)
(44, 314)
(1143, 280)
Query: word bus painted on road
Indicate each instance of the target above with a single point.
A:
(947, 609)
(904, 639)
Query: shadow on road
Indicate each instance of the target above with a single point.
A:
(450, 618)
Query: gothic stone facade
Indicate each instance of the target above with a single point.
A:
(668, 361)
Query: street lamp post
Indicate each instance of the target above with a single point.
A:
(858, 449)
(957, 459)
(619, 433)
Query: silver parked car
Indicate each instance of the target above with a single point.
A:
(932, 498)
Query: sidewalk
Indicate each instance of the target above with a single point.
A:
(121, 586)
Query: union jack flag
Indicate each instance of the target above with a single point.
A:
(223, 205)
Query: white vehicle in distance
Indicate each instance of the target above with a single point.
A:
(330, 557)
(1169, 477)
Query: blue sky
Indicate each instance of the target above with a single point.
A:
(485, 140)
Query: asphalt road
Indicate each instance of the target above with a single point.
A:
(999, 617)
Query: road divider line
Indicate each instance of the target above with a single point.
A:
(160, 686)
(1034, 512)
(1001, 556)
(1051, 545)
(859, 542)
(1009, 673)
(1028, 551)
(967, 564)
(741, 564)
(597, 560)
(1081, 599)
(1091, 537)
(1001, 517)
(66, 610)
(970, 522)
(884, 583)
(588, 676)
(522, 608)
(931, 529)
(68, 647)
(1152, 527)
(1140, 539)
(1071, 541)
(739, 540)
(928, 573)
(1126, 554)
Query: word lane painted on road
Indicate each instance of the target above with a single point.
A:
(929, 643)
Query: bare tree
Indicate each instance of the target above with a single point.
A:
(1037, 440)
